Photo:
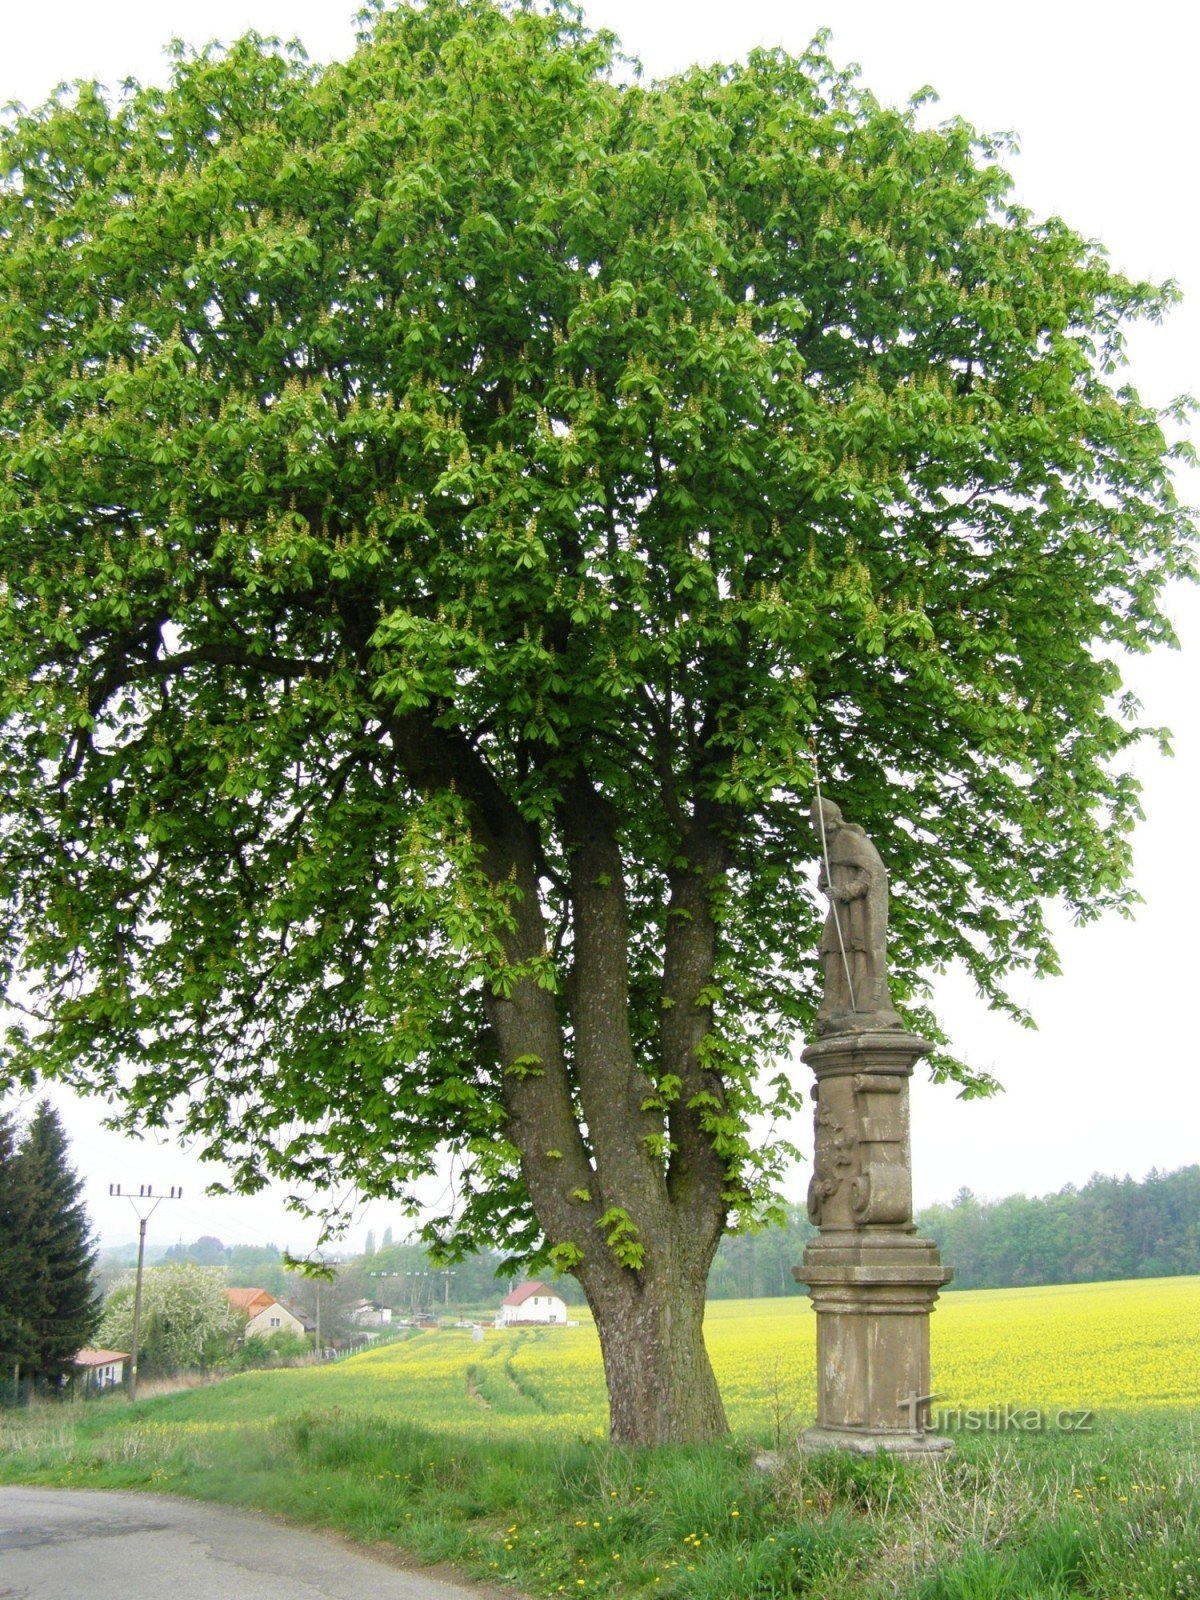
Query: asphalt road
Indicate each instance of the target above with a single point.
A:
(75, 1544)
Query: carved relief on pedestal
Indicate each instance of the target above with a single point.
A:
(861, 1152)
(833, 1154)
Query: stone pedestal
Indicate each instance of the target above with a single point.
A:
(873, 1281)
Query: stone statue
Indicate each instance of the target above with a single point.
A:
(872, 1278)
(853, 945)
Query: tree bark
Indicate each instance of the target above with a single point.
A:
(661, 1386)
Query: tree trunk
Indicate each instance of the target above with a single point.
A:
(661, 1388)
(638, 1229)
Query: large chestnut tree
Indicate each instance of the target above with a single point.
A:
(446, 501)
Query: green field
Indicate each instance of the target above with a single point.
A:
(490, 1454)
(1105, 1347)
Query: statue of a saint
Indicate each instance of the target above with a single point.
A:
(853, 943)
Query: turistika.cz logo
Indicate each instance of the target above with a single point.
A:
(1001, 1418)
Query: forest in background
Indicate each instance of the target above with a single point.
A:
(1110, 1228)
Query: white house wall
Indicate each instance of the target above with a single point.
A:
(540, 1309)
(275, 1319)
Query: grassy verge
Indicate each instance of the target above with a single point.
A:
(1113, 1514)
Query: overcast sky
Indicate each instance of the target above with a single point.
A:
(1101, 97)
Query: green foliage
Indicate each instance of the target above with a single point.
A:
(758, 1263)
(565, 1256)
(410, 1277)
(621, 1237)
(49, 1307)
(187, 1322)
(1111, 1229)
(392, 454)
(267, 1350)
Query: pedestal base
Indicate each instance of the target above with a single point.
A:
(873, 1294)
(908, 1446)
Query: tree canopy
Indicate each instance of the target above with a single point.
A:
(448, 499)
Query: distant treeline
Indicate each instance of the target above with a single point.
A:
(1111, 1228)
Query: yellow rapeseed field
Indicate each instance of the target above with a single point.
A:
(1099, 1346)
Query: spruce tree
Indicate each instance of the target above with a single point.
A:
(61, 1302)
(15, 1351)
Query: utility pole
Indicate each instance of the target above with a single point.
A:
(318, 1278)
(145, 1202)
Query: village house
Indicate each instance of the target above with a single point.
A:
(366, 1314)
(263, 1313)
(532, 1302)
(96, 1370)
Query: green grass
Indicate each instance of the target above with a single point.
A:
(1113, 1514)
(490, 1455)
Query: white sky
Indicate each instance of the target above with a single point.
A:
(1101, 96)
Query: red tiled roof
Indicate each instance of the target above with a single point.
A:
(525, 1291)
(99, 1358)
(249, 1301)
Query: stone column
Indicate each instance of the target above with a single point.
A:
(873, 1281)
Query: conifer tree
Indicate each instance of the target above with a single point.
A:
(61, 1302)
(14, 1255)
